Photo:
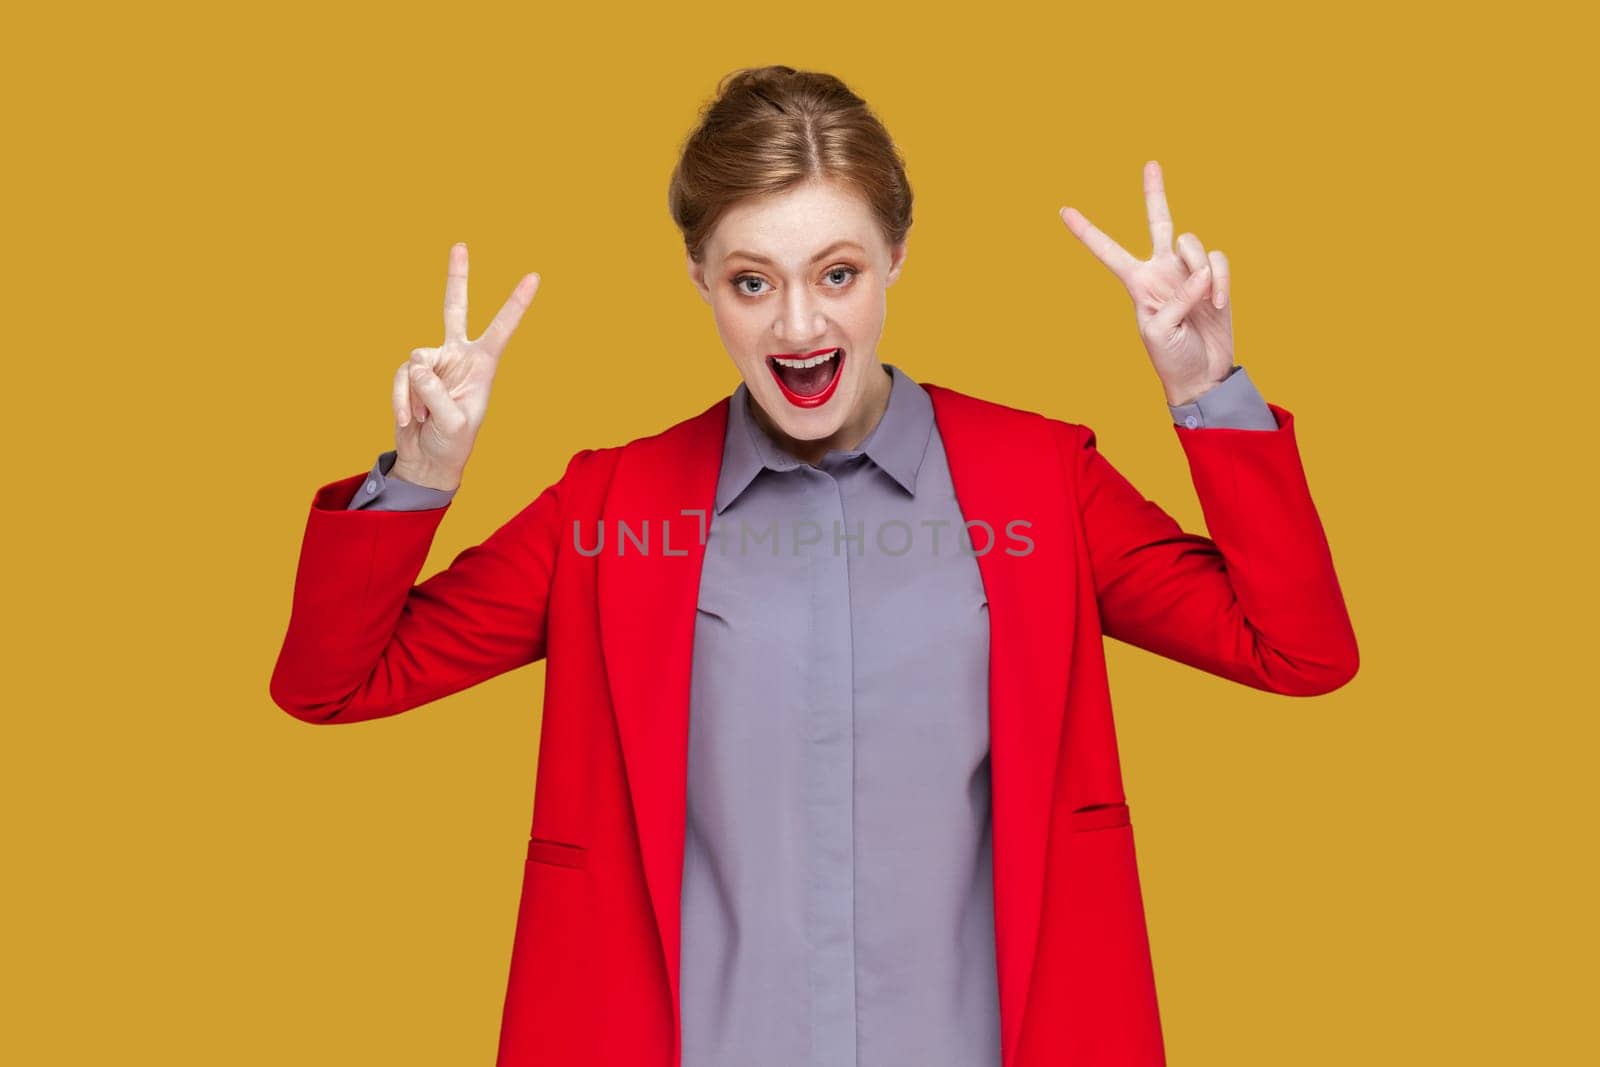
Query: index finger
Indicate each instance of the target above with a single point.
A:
(1107, 251)
(455, 294)
(1155, 200)
(505, 321)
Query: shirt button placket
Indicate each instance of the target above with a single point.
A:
(831, 774)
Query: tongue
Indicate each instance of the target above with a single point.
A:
(811, 380)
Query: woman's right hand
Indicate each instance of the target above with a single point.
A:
(441, 394)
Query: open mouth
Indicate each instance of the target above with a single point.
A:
(808, 381)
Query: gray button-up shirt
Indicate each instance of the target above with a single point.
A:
(837, 891)
(837, 897)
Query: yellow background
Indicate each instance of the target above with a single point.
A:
(227, 227)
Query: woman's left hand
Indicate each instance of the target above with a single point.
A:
(1180, 298)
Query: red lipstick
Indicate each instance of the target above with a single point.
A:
(817, 399)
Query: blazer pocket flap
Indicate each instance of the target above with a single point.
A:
(543, 850)
(1100, 817)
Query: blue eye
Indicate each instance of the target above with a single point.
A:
(738, 282)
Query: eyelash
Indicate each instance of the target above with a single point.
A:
(738, 282)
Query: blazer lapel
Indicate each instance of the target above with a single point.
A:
(647, 616)
(1001, 475)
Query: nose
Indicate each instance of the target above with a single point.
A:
(802, 321)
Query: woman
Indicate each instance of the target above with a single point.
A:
(814, 785)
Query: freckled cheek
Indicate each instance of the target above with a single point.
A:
(740, 331)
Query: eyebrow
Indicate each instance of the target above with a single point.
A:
(826, 252)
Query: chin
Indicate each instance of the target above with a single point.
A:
(807, 424)
(810, 427)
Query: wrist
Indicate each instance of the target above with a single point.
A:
(447, 481)
(1188, 393)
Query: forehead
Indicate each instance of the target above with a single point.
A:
(796, 223)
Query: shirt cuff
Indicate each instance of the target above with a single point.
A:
(1233, 403)
(380, 492)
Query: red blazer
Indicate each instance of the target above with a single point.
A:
(594, 964)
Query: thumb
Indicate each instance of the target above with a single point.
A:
(1183, 301)
(444, 412)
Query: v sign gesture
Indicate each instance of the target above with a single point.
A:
(441, 394)
(1180, 297)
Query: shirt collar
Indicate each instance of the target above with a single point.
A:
(896, 444)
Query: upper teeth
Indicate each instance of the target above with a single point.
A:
(812, 362)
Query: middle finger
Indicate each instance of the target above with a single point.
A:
(1155, 200)
(455, 294)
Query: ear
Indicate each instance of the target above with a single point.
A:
(897, 258)
(697, 275)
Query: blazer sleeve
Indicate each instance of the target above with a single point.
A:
(364, 642)
(1260, 604)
